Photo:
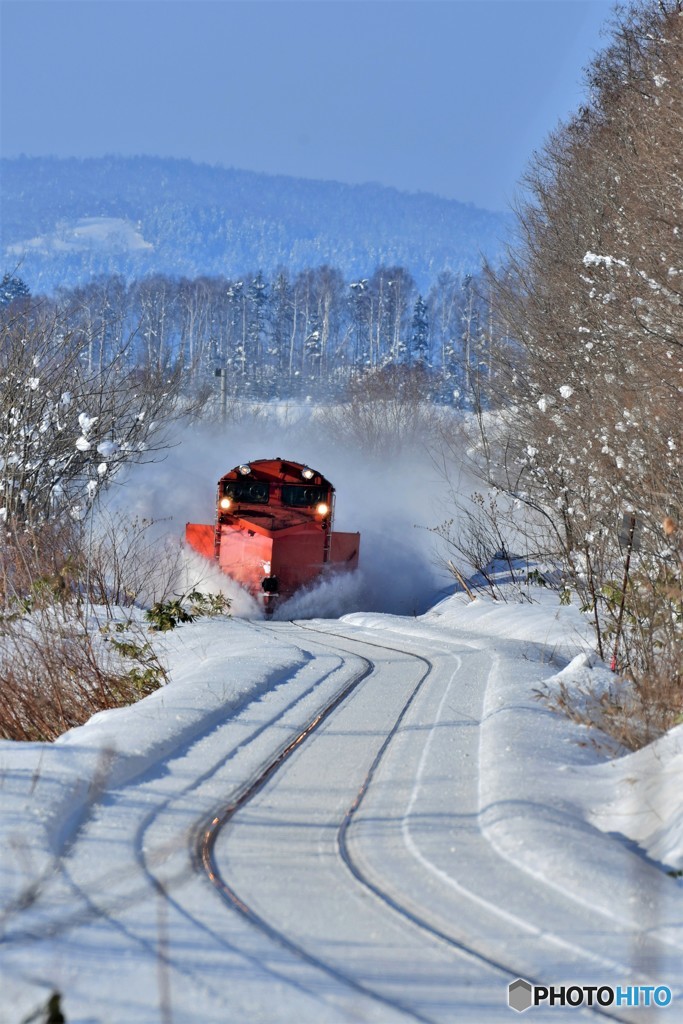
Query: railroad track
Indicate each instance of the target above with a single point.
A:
(167, 888)
(505, 970)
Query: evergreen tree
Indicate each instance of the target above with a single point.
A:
(257, 297)
(12, 288)
(281, 324)
(419, 334)
(360, 306)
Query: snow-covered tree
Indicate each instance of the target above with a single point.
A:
(66, 427)
(419, 333)
(12, 288)
(594, 297)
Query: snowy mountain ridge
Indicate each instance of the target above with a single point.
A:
(65, 220)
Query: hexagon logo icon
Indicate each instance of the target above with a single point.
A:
(520, 995)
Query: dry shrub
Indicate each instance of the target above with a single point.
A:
(647, 700)
(480, 539)
(55, 671)
(129, 565)
(658, 699)
(37, 563)
(385, 411)
(55, 674)
(56, 668)
(631, 713)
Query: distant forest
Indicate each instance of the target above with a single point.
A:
(286, 335)
(65, 221)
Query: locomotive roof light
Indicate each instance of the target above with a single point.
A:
(322, 508)
(225, 503)
(307, 473)
(245, 470)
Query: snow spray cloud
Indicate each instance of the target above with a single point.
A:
(393, 503)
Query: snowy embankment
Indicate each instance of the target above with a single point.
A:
(638, 795)
(641, 796)
(529, 751)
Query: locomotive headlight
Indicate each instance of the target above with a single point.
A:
(322, 509)
(225, 503)
(245, 470)
(307, 473)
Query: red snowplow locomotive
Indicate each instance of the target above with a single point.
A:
(273, 532)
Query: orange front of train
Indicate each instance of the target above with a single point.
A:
(273, 531)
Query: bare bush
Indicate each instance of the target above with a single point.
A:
(57, 666)
(385, 412)
(129, 564)
(39, 565)
(631, 713)
(55, 673)
(480, 540)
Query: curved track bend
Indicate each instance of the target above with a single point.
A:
(338, 815)
(330, 854)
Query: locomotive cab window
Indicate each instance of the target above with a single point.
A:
(253, 492)
(297, 496)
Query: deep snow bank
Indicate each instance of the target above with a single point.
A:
(533, 755)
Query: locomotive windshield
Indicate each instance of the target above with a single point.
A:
(297, 496)
(255, 492)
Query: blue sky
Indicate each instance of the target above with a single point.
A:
(444, 96)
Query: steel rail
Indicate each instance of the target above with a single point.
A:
(209, 834)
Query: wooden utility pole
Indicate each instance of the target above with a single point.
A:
(224, 392)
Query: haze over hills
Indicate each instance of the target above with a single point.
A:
(66, 220)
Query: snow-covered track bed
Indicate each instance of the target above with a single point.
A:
(126, 884)
(434, 834)
(206, 853)
(390, 823)
(298, 861)
(410, 833)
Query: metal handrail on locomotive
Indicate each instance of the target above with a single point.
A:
(273, 530)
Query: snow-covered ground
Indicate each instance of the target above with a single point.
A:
(106, 234)
(437, 834)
